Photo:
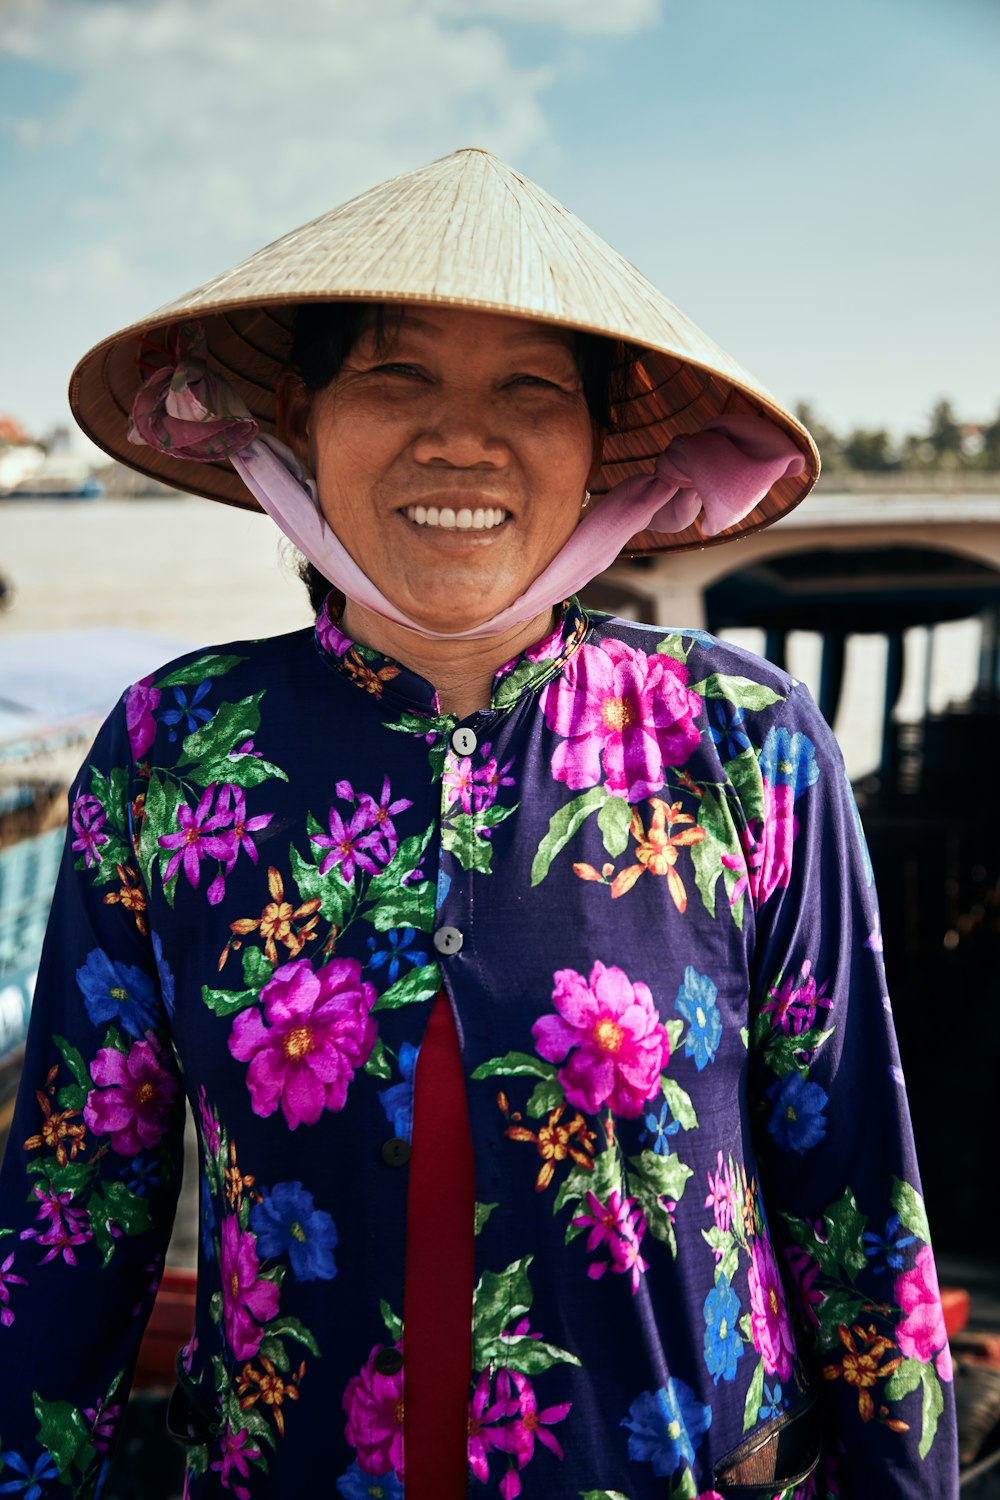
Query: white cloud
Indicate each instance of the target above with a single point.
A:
(578, 17)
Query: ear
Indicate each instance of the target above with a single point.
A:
(293, 408)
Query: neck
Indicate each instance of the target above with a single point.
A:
(462, 671)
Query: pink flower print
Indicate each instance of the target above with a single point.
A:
(770, 1327)
(374, 1407)
(485, 1433)
(794, 1005)
(7, 1280)
(766, 862)
(611, 1030)
(620, 1225)
(922, 1333)
(722, 1196)
(458, 781)
(103, 1423)
(350, 844)
(231, 810)
(247, 1299)
(530, 1423)
(315, 1032)
(236, 1458)
(209, 1124)
(329, 634)
(63, 1226)
(488, 781)
(140, 704)
(630, 712)
(805, 1270)
(88, 819)
(135, 1096)
(379, 816)
(198, 837)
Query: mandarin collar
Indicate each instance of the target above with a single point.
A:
(382, 677)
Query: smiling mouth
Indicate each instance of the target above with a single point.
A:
(445, 518)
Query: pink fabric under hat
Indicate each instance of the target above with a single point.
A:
(186, 409)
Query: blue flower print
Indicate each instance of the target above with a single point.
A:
(726, 726)
(143, 1174)
(30, 1485)
(658, 1130)
(206, 1215)
(391, 959)
(357, 1486)
(287, 1222)
(191, 713)
(696, 1003)
(117, 992)
(773, 1404)
(666, 1427)
(789, 760)
(860, 832)
(723, 1340)
(397, 1101)
(797, 1120)
(886, 1253)
(166, 976)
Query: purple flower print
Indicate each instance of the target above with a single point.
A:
(722, 1195)
(7, 1280)
(103, 1423)
(374, 1407)
(805, 1271)
(315, 1031)
(247, 1299)
(488, 780)
(622, 709)
(770, 1327)
(620, 1225)
(140, 705)
(63, 1226)
(236, 1458)
(209, 1124)
(529, 1423)
(794, 1004)
(379, 816)
(458, 781)
(486, 1434)
(198, 837)
(134, 1097)
(352, 845)
(765, 864)
(231, 809)
(329, 634)
(88, 819)
(610, 1029)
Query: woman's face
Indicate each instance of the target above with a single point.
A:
(452, 461)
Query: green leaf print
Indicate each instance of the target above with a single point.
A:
(614, 820)
(605, 1178)
(393, 1323)
(531, 1356)
(744, 773)
(602, 1495)
(291, 1328)
(515, 1065)
(460, 836)
(163, 797)
(931, 1408)
(787, 1054)
(910, 1206)
(904, 1381)
(546, 1096)
(127, 1210)
(482, 1215)
(230, 726)
(742, 691)
(74, 1061)
(656, 1176)
(842, 1245)
(679, 1103)
(257, 969)
(685, 1488)
(239, 770)
(64, 1432)
(213, 665)
(335, 896)
(563, 825)
(415, 986)
(706, 856)
(726, 1247)
(755, 1396)
(673, 646)
(498, 1302)
(378, 1064)
(227, 1002)
(397, 904)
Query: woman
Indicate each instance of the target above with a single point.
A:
(521, 968)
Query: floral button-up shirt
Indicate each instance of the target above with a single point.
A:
(640, 880)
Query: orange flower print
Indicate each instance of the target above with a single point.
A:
(860, 1365)
(276, 921)
(131, 895)
(266, 1386)
(555, 1141)
(373, 682)
(56, 1129)
(658, 850)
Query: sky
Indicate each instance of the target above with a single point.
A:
(814, 184)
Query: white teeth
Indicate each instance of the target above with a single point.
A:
(466, 519)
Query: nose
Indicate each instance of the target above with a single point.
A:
(461, 433)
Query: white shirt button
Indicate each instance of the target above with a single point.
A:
(464, 741)
(448, 940)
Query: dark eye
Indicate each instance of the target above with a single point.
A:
(537, 380)
(397, 367)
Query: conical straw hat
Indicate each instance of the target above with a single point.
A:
(466, 231)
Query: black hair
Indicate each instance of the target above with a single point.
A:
(324, 334)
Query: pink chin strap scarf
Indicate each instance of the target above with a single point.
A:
(187, 411)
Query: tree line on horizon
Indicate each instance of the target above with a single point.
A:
(949, 445)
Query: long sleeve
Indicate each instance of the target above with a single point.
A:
(831, 1126)
(92, 1167)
